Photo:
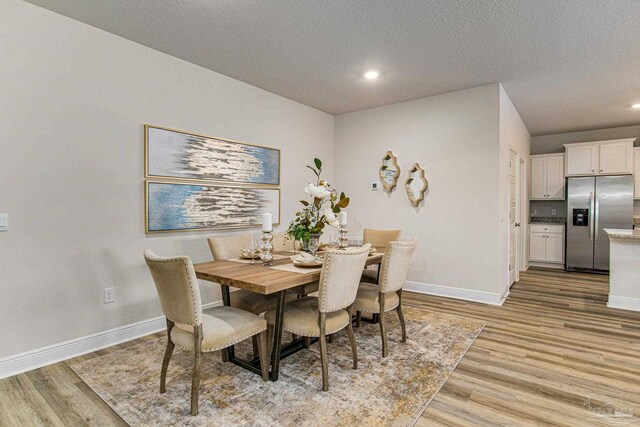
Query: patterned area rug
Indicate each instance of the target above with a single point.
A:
(388, 392)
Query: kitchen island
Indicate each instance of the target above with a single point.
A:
(624, 266)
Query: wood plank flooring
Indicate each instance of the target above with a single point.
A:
(549, 352)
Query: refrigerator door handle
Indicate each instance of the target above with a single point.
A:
(591, 209)
(597, 214)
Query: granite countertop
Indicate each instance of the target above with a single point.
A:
(616, 233)
(548, 220)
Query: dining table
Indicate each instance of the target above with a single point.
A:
(280, 277)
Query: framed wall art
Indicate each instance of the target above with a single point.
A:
(181, 206)
(389, 171)
(178, 155)
(416, 185)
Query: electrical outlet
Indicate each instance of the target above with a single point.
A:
(553, 212)
(109, 295)
(535, 212)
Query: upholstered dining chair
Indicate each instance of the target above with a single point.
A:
(377, 238)
(230, 247)
(330, 311)
(190, 328)
(280, 242)
(378, 299)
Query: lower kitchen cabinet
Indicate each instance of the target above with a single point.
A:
(546, 244)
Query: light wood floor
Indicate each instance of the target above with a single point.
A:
(552, 348)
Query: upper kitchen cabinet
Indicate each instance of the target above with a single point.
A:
(599, 158)
(636, 174)
(547, 177)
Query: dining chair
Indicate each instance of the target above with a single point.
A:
(378, 299)
(281, 242)
(377, 238)
(330, 311)
(191, 328)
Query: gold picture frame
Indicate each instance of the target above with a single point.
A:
(416, 194)
(389, 171)
(157, 162)
(154, 226)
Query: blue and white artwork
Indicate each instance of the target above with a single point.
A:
(174, 154)
(184, 207)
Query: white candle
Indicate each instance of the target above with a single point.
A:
(267, 222)
(342, 218)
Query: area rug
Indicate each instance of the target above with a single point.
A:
(393, 391)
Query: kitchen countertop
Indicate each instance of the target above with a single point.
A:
(548, 220)
(616, 233)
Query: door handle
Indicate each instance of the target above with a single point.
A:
(597, 215)
(591, 208)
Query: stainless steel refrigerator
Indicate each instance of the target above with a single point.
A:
(593, 204)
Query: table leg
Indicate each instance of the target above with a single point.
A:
(277, 337)
(227, 353)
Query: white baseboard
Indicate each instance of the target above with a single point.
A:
(625, 303)
(33, 359)
(457, 293)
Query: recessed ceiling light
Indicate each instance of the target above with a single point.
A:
(636, 106)
(371, 75)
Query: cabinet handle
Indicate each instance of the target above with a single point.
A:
(600, 170)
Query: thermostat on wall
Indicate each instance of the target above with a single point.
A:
(375, 186)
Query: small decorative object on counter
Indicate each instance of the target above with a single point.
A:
(267, 237)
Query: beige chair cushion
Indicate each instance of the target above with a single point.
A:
(228, 247)
(256, 303)
(370, 276)
(221, 327)
(280, 242)
(368, 299)
(301, 318)
(305, 290)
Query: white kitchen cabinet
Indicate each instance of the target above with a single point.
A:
(547, 177)
(636, 177)
(546, 244)
(614, 157)
(581, 159)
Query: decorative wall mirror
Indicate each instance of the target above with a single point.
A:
(389, 171)
(416, 185)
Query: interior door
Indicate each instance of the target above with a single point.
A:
(613, 209)
(513, 235)
(580, 201)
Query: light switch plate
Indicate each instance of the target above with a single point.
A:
(375, 186)
(553, 212)
(4, 222)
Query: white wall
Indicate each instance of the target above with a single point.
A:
(513, 136)
(456, 138)
(73, 101)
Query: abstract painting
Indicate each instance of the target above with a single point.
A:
(187, 207)
(176, 154)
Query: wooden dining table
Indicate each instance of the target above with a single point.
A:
(279, 278)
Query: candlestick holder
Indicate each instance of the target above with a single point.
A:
(342, 240)
(266, 254)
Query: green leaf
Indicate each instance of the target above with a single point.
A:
(336, 209)
(343, 203)
(314, 171)
(304, 202)
(318, 163)
(342, 196)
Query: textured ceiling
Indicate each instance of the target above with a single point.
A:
(567, 65)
